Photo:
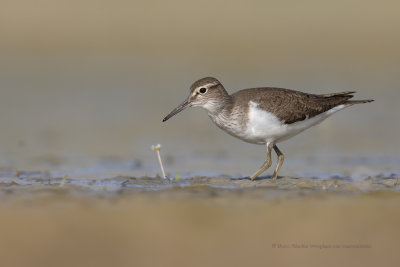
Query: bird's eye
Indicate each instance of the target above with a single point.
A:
(203, 90)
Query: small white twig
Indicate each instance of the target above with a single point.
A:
(63, 180)
(157, 149)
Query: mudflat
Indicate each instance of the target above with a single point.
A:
(198, 221)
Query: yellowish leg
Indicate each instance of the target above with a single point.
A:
(281, 157)
(265, 166)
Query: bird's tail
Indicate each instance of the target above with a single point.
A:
(352, 102)
(346, 94)
(343, 98)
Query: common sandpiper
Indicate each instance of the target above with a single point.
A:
(265, 115)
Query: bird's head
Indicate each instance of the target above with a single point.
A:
(207, 93)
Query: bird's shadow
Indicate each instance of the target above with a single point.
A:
(262, 178)
(259, 178)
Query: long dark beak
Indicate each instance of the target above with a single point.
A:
(178, 109)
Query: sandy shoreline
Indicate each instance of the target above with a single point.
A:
(200, 224)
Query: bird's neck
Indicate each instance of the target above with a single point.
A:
(219, 105)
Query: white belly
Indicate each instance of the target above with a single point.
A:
(263, 126)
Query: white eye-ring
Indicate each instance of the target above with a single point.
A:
(203, 90)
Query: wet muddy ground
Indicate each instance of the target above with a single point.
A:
(20, 182)
(197, 221)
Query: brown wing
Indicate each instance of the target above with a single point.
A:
(290, 105)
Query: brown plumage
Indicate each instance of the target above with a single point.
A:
(291, 106)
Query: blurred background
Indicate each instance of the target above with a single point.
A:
(86, 83)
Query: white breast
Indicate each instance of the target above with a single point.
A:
(230, 123)
(263, 126)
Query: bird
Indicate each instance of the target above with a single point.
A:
(264, 115)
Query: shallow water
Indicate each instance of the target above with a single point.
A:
(22, 182)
